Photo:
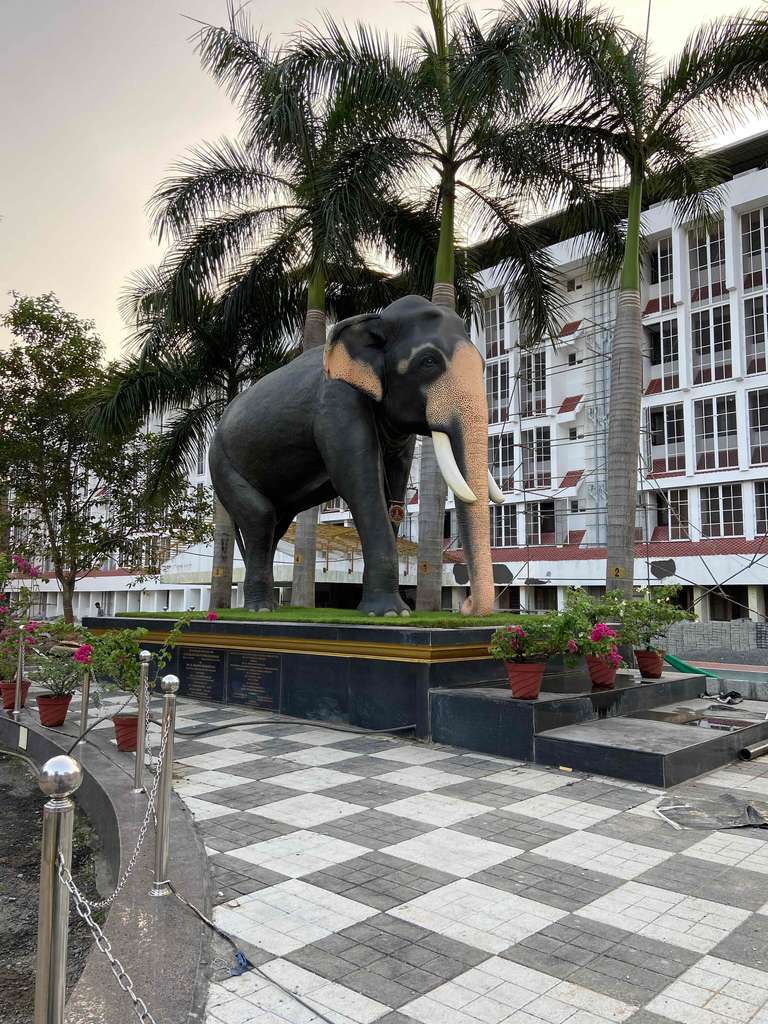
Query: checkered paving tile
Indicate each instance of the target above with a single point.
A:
(375, 879)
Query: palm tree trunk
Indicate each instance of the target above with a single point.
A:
(223, 556)
(432, 488)
(305, 541)
(624, 409)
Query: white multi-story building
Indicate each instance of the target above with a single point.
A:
(703, 474)
(703, 477)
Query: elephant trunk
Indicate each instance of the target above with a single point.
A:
(459, 404)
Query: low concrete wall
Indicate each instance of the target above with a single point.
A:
(161, 944)
(738, 642)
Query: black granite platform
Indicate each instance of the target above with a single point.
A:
(376, 677)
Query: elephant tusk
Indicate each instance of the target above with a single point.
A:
(451, 472)
(495, 493)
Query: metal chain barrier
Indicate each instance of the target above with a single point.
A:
(84, 910)
(148, 817)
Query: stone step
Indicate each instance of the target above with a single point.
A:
(655, 746)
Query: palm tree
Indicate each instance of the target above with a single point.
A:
(455, 111)
(187, 376)
(644, 124)
(270, 201)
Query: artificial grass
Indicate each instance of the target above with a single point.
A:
(344, 617)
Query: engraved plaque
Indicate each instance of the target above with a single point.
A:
(202, 673)
(254, 679)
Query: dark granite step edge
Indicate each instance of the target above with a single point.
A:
(160, 943)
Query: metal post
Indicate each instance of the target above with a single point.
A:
(59, 779)
(141, 734)
(85, 693)
(170, 686)
(19, 675)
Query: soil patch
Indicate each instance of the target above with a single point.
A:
(21, 808)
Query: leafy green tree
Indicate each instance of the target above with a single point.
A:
(645, 123)
(185, 377)
(461, 112)
(76, 499)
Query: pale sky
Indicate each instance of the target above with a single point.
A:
(101, 96)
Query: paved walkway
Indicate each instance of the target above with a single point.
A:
(391, 881)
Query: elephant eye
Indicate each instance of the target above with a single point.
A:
(427, 362)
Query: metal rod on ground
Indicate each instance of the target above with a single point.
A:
(19, 675)
(141, 734)
(170, 686)
(59, 779)
(85, 694)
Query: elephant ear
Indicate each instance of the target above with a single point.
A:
(354, 353)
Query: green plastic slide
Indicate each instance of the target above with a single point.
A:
(683, 666)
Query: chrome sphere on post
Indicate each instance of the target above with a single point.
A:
(60, 777)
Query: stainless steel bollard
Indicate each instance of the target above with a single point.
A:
(85, 693)
(141, 734)
(19, 675)
(59, 779)
(170, 685)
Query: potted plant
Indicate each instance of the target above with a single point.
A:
(60, 673)
(115, 661)
(11, 637)
(525, 649)
(598, 645)
(645, 622)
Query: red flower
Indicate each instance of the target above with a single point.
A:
(83, 654)
(212, 616)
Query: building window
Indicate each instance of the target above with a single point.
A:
(533, 381)
(497, 390)
(758, 427)
(200, 467)
(711, 339)
(761, 507)
(716, 437)
(721, 511)
(664, 353)
(503, 526)
(493, 324)
(661, 272)
(501, 459)
(540, 522)
(536, 457)
(754, 246)
(666, 430)
(754, 333)
(706, 257)
(672, 513)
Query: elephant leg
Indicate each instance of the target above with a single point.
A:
(397, 469)
(255, 519)
(357, 472)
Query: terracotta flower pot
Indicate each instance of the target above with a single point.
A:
(601, 672)
(53, 710)
(525, 678)
(9, 694)
(126, 729)
(650, 663)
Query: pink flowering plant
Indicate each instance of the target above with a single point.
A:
(535, 639)
(600, 642)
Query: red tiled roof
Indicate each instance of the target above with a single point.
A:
(660, 533)
(570, 328)
(576, 536)
(570, 403)
(656, 549)
(571, 478)
(654, 386)
(415, 499)
(652, 306)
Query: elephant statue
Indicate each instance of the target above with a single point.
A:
(341, 422)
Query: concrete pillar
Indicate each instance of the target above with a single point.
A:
(701, 605)
(756, 602)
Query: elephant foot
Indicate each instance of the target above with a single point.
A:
(383, 604)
